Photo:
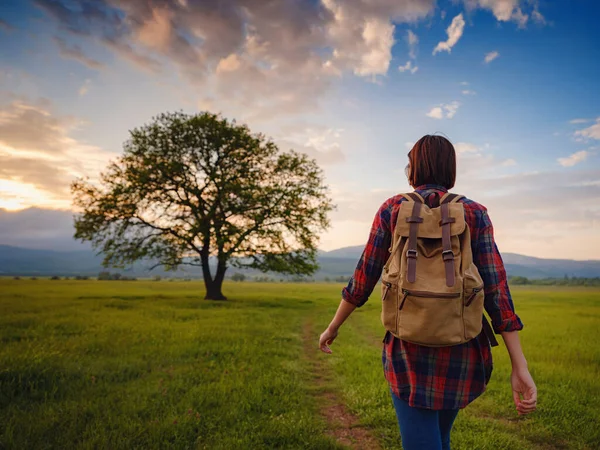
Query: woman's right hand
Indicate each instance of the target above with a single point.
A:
(523, 385)
(327, 338)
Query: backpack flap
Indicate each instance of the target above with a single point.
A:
(430, 227)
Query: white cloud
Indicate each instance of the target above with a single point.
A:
(509, 162)
(362, 33)
(508, 10)
(39, 157)
(466, 147)
(573, 159)
(538, 17)
(454, 31)
(464, 83)
(451, 109)
(520, 17)
(408, 67)
(320, 143)
(413, 40)
(468, 92)
(436, 113)
(447, 110)
(591, 132)
(577, 121)
(489, 57)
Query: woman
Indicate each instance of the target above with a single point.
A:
(429, 385)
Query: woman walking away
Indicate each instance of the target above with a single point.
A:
(440, 269)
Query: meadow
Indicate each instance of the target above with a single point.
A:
(146, 364)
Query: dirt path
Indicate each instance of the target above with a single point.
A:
(343, 426)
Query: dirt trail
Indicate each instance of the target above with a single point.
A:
(343, 426)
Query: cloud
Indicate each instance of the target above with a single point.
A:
(408, 67)
(447, 111)
(508, 10)
(31, 127)
(75, 52)
(454, 31)
(468, 92)
(413, 41)
(573, 159)
(39, 228)
(321, 144)
(39, 157)
(577, 121)
(591, 132)
(42, 174)
(538, 17)
(489, 57)
(465, 147)
(286, 54)
(436, 113)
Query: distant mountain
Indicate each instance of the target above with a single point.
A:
(516, 265)
(335, 263)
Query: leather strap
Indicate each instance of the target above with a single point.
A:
(489, 332)
(415, 197)
(411, 252)
(447, 254)
(448, 198)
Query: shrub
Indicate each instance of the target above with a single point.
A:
(238, 277)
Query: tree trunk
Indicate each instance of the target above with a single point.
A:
(214, 286)
(213, 290)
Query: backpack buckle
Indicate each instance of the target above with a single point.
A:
(410, 253)
(447, 255)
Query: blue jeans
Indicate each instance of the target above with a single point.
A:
(424, 429)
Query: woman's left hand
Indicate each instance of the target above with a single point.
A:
(327, 337)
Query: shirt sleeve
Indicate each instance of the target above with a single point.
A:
(498, 301)
(374, 256)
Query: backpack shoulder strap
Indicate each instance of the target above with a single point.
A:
(414, 197)
(450, 198)
(414, 220)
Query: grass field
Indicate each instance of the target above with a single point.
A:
(88, 364)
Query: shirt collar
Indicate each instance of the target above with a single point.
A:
(427, 187)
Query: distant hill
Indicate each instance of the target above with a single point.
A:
(516, 265)
(340, 262)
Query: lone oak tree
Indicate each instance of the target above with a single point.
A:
(190, 189)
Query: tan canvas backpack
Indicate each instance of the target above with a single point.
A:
(432, 292)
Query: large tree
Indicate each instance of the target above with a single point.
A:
(190, 189)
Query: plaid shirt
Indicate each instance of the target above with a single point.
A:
(438, 377)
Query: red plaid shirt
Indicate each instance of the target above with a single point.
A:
(438, 377)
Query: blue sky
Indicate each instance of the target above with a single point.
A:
(513, 83)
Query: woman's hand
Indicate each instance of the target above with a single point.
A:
(523, 385)
(327, 338)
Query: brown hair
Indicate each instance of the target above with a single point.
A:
(432, 160)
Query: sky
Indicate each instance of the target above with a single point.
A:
(353, 83)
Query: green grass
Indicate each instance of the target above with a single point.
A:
(88, 364)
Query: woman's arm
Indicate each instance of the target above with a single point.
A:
(521, 380)
(342, 313)
(366, 275)
(499, 305)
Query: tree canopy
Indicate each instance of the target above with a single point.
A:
(199, 189)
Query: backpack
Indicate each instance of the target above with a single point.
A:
(432, 292)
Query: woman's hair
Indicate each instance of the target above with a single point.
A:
(432, 160)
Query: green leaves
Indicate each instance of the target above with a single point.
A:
(191, 186)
